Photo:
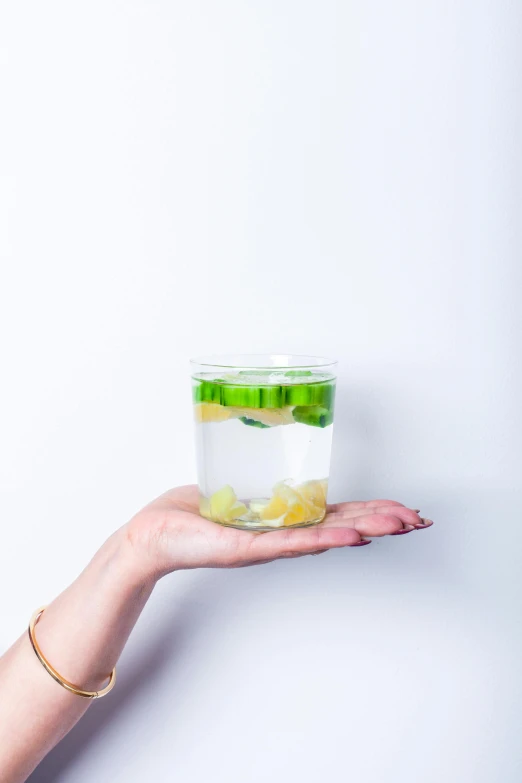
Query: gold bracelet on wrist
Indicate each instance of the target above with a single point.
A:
(54, 674)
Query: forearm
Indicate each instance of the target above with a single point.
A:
(82, 634)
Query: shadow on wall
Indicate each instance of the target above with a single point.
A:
(365, 449)
(175, 631)
(160, 657)
(357, 462)
(355, 447)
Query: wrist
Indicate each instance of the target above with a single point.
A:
(153, 546)
(129, 567)
(84, 630)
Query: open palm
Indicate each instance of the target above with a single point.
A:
(171, 534)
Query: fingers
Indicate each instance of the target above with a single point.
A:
(424, 523)
(338, 530)
(368, 524)
(301, 541)
(383, 521)
(357, 506)
(394, 509)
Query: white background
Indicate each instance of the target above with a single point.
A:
(251, 175)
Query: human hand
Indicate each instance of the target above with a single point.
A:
(83, 631)
(169, 534)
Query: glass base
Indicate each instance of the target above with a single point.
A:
(262, 527)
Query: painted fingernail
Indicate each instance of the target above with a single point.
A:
(362, 543)
(402, 532)
(417, 510)
(424, 523)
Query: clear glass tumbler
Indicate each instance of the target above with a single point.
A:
(263, 438)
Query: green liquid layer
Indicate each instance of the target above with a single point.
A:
(242, 396)
(313, 402)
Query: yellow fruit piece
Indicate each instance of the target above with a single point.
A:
(288, 505)
(257, 506)
(204, 506)
(314, 492)
(296, 504)
(271, 512)
(287, 493)
(279, 522)
(205, 412)
(272, 417)
(299, 513)
(224, 505)
(299, 510)
(274, 509)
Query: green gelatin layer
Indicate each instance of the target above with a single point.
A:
(313, 415)
(266, 395)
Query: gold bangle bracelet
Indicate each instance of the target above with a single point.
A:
(54, 674)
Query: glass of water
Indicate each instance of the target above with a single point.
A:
(263, 438)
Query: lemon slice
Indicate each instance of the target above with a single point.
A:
(314, 492)
(258, 505)
(274, 509)
(295, 505)
(205, 412)
(270, 417)
(288, 506)
(223, 506)
(204, 507)
(299, 513)
(279, 522)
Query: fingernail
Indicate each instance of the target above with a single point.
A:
(362, 543)
(424, 523)
(402, 532)
(320, 552)
(417, 510)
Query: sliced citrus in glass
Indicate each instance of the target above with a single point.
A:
(206, 412)
(224, 505)
(314, 492)
(274, 509)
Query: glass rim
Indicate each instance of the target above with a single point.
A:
(244, 361)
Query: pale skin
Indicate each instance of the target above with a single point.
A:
(83, 632)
